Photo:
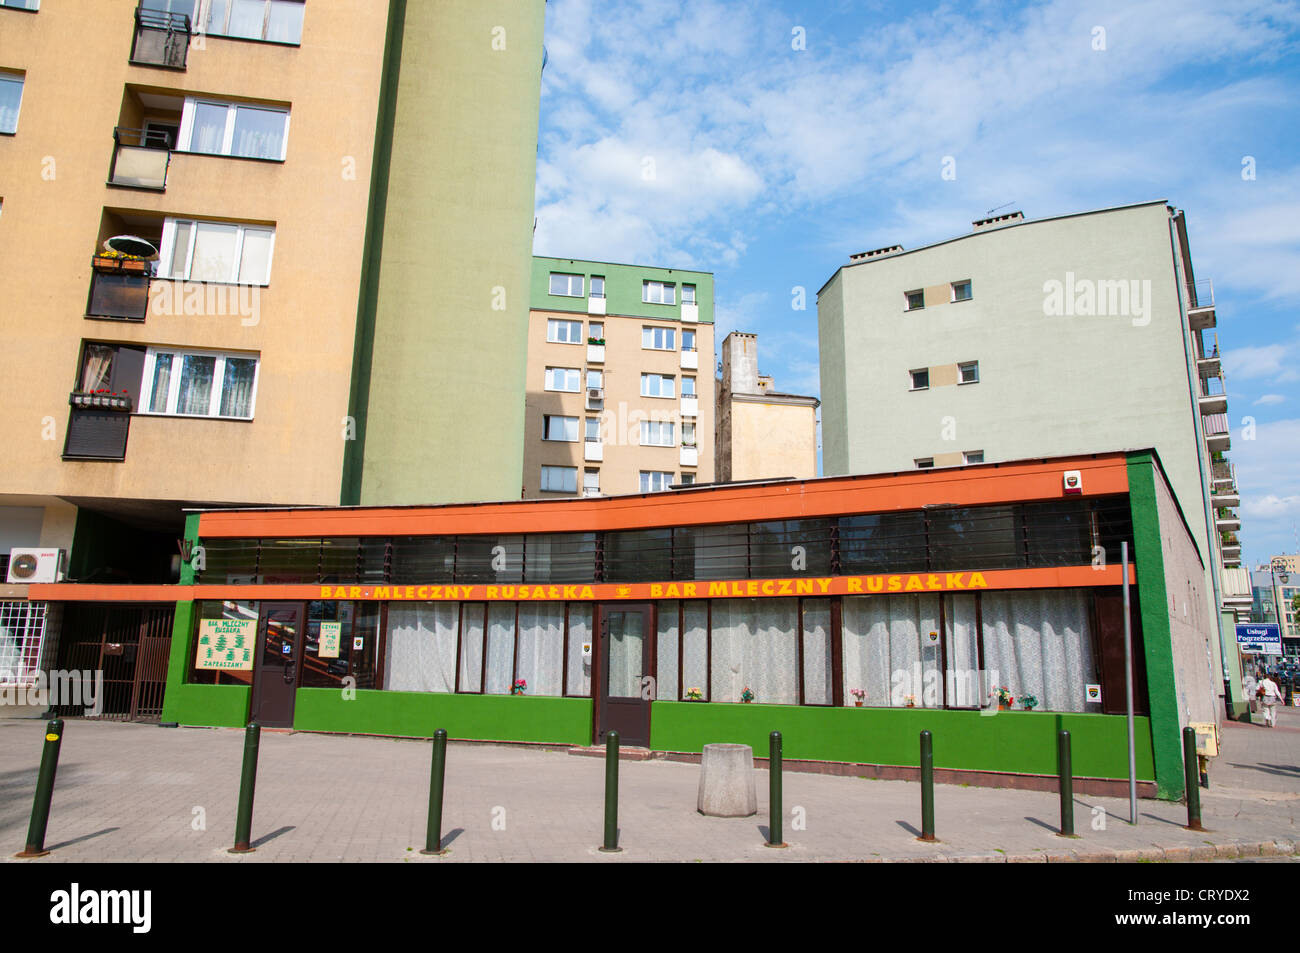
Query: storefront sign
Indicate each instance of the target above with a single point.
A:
(1259, 638)
(226, 644)
(331, 634)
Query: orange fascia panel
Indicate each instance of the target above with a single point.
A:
(829, 496)
(1064, 577)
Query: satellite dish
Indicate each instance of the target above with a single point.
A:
(131, 245)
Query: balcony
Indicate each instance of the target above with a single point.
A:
(596, 304)
(595, 351)
(1225, 496)
(97, 426)
(119, 288)
(1216, 432)
(1200, 304)
(1213, 398)
(690, 456)
(1226, 519)
(690, 359)
(1221, 471)
(137, 164)
(161, 39)
(691, 313)
(593, 451)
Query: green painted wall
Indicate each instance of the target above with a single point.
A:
(1156, 638)
(1238, 706)
(622, 288)
(1019, 742)
(208, 705)
(438, 381)
(420, 714)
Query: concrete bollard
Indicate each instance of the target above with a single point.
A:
(727, 781)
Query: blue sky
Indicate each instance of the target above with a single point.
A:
(772, 164)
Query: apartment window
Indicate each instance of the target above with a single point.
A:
(688, 340)
(11, 98)
(560, 428)
(969, 373)
(591, 482)
(915, 300)
(21, 4)
(688, 434)
(659, 339)
(657, 433)
(688, 478)
(688, 386)
(199, 384)
(653, 481)
(560, 479)
(563, 379)
(974, 456)
(961, 291)
(595, 378)
(569, 286)
(229, 129)
(658, 292)
(216, 251)
(921, 379)
(688, 294)
(658, 385)
(593, 430)
(597, 286)
(596, 332)
(925, 463)
(564, 332)
(275, 21)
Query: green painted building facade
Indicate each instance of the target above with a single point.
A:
(623, 284)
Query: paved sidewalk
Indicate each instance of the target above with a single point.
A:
(128, 792)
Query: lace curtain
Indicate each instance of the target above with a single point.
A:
(579, 676)
(1037, 642)
(541, 647)
(666, 669)
(471, 645)
(888, 652)
(695, 649)
(754, 648)
(421, 647)
(500, 648)
(817, 674)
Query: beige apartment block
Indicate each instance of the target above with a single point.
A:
(763, 434)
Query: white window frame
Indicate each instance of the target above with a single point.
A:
(202, 8)
(651, 334)
(593, 423)
(961, 372)
(688, 478)
(907, 302)
(648, 480)
(174, 384)
(671, 380)
(924, 463)
(688, 294)
(574, 331)
(693, 392)
(688, 433)
(596, 330)
(21, 5)
(21, 80)
(184, 139)
(688, 347)
(565, 471)
(546, 422)
(590, 480)
(597, 376)
(658, 433)
(966, 456)
(912, 378)
(970, 290)
(166, 259)
(577, 380)
(592, 285)
(667, 292)
(581, 279)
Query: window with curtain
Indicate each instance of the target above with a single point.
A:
(96, 368)
(541, 647)
(500, 656)
(578, 678)
(1038, 642)
(275, 21)
(753, 646)
(695, 648)
(11, 98)
(356, 620)
(421, 654)
(666, 650)
(817, 675)
(472, 617)
(216, 252)
(964, 681)
(199, 385)
(888, 652)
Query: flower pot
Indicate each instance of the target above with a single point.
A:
(1003, 706)
(857, 704)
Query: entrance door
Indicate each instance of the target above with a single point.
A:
(279, 631)
(624, 663)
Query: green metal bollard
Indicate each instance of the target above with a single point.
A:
(611, 794)
(1191, 779)
(927, 787)
(247, 784)
(44, 791)
(775, 810)
(1066, 769)
(433, 838)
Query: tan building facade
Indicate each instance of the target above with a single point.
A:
(762, 433)
(620, 380)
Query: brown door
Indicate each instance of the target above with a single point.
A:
(623, 688)
(1110, 635)
(279, 632)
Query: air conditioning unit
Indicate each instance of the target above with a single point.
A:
(595, 393)
(35, 565)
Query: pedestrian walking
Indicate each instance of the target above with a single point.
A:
(1270, 698)
(1248, 687)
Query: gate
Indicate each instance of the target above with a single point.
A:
(130, 644)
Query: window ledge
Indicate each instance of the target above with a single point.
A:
(150, 413)
(248, 39)
(222, 155)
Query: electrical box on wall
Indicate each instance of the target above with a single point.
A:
(1072, 481)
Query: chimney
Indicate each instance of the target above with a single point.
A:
(876, 253)
(997, 221)
(740, 363)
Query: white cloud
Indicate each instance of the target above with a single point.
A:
(1268, 399)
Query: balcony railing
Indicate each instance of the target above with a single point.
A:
(161, 39)
(1200, 294)
(1223, 472)
(1216, 425)
(136, 163)
(119, 288)
(97, 426)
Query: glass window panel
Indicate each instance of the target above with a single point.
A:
(247, 18)
(500, 648)
(638, 555)
(97, 367)
(711, 552)
(1058, 533)
(181, 249)
(195, 395)
(695, 649)
(217, 12)
(560, 557)
(889, 652)
(963, 678)
(666, 648)
(229, 560)
(339, 560)
(559, 479)
(214, 252)
(423, 559)
(882, 542)
(753, 646)
(578, 681)
(817, 676)
(289, 561)
(209, 134)
(284, 25)
(790, 547)
(1038, 642)
(688, 386)
(237, 387)
(975, 537)
(327, 672)
(472, 615)
(255, 256)
(489, 559)
(541, 647)
(11, 97)
(421, 655)
(212, 609)
(626, 659)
